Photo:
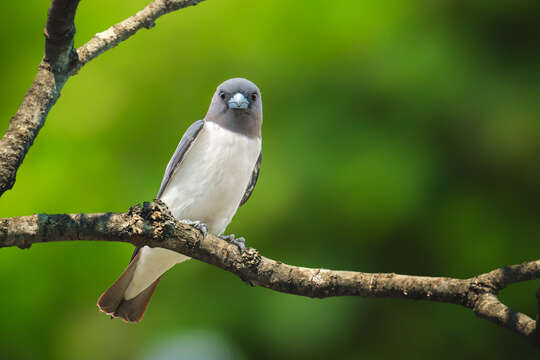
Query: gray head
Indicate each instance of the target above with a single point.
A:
(237, 106)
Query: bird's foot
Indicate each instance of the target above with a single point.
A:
(240, 242)
(197, 225)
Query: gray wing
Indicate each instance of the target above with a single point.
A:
(183, 146)
(253, 182)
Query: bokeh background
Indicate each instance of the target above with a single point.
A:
(399, 136)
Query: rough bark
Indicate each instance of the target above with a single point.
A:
(52, 74)
(59, 33)
(60, 61)
(152, 224)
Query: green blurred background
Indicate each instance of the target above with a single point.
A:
(399, 136)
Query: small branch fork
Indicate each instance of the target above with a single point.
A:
(152, 224)
(61, 61)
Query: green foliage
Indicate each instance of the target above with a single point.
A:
(399, 136)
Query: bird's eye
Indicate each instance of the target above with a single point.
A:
(253, 97)
(222, 95)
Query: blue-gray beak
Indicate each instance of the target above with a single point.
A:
(238, 101)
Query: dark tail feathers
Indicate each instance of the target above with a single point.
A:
(112, 301)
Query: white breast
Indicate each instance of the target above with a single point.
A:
(213, 176)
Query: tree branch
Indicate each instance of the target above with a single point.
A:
(42, 95)
(58, 64)
(59, 33)
(114, 35)
(152, 224)
(537, 330)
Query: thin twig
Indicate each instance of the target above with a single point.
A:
(114, 35)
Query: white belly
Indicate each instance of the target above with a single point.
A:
(213, 177)
(208, 186)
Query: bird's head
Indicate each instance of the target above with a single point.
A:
(237, 106)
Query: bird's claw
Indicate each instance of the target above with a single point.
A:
(227, 238)
(240, 242)
(197, 225)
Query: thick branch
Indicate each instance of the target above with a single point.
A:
(24, 126)
(153, 225)
(59, 63)
(59, 33)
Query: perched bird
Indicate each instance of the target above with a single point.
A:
(212, 172)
